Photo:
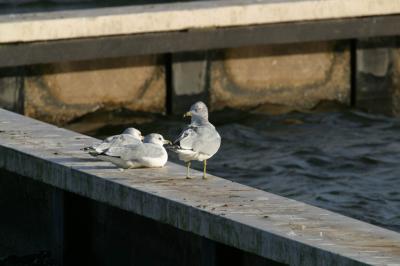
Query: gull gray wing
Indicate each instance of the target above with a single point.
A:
(124, 139)
(207, 141)
(117, 140)
(203, 139)
(186, 138)
(135, 152)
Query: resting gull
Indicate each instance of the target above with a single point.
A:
(150, 153)
(199, 141)
(130, 136)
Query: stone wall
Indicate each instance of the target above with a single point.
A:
(270, 79)
(295, 75)
(62, 92)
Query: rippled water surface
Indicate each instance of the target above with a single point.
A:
(347, 162)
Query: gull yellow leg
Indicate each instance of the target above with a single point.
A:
(188, 170)
(205, 169)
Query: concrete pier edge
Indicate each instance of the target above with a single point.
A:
(262, 223)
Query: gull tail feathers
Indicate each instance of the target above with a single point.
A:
(88, 148)
(173, 147)
(92, 151)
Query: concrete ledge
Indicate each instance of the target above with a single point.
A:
(270, 226)
(181, 16)
(88, 48)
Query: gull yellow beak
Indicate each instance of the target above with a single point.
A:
(167, 142)
(187, 114)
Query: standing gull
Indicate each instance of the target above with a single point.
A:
(199, 141)
(150, 153)
(130, 136)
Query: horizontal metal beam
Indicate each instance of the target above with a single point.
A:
(192, 40)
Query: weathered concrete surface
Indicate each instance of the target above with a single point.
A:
(262, 223)
(189, 80)
(11, 89)
(396, 78)
(61, 92)
(374, 75)
(378, 75)
(295, 75)
(181, 16)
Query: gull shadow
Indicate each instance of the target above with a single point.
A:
(59, 159)
(97, 167)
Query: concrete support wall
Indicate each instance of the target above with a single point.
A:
(374, 74)
(396, 78)
(189, 80)
(377, 75)
(297, 76)
(287, 77)
(74, 230)
(98, 234)
(11, 89)
(60, 93)
(25, 216)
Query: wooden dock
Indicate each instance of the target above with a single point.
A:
(251, 220)
(163, 28)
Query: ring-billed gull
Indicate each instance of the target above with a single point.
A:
(130, 136)
(150, 153)
(199, 141)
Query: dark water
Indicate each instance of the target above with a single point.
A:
(347, 162)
